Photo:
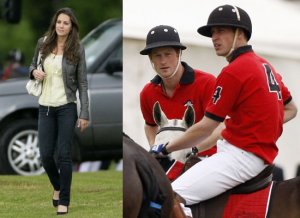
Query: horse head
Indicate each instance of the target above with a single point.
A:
(172, 128)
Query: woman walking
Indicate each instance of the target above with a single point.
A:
(63, 73)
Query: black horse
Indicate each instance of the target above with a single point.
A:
(147, 192)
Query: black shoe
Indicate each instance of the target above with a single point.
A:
(62, 213)
(54, 201)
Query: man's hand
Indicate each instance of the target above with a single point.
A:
(159, 149)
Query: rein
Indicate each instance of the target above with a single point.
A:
(155, 205)
(171, 128)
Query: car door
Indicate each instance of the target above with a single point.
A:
(104, 63)
(105, 89)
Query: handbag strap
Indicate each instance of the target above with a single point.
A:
(39, 56)
(38, 59)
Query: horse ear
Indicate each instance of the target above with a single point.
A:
(189, 116)
(158, 115)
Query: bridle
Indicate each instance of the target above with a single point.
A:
(171, 128)
(177, 128)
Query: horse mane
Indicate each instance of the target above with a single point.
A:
(127, 136)
(147, 169)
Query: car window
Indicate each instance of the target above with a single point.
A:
(118, 52)
(99, 40)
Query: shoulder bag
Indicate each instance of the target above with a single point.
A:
(33, 86)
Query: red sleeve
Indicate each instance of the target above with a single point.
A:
(286, 95)
(208, 92)
(226, 92)
(145, 108)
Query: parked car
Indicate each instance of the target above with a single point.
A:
(102, 140)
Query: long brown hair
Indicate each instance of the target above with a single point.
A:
(72, 44)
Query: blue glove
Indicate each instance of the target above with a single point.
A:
(159, 149)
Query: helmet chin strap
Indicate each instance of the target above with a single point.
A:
(236, 31)
(233, 44)
(175, 71)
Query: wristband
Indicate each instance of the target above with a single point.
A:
(164, 149)
(195, 150)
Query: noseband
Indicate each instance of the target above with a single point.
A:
(171, 128)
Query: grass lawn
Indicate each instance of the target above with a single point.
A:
(96, 194)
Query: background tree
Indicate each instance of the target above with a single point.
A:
(36, 17)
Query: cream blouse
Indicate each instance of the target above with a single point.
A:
(53, 91)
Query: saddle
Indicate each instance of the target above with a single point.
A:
(257, 183)
(261, 181)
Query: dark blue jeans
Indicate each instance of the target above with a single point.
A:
(56, 131)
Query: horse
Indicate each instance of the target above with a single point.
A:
(170, 128)
(147, 192)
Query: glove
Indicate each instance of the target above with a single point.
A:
(159, 149)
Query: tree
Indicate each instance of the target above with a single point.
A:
(12, 11)
(35, 21)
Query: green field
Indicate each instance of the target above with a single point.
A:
(93, 195)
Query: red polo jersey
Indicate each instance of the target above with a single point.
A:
(252, 94)
(195, 88)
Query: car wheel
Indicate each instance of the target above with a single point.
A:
(19, 151)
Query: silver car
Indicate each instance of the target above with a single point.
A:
(19, 152)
